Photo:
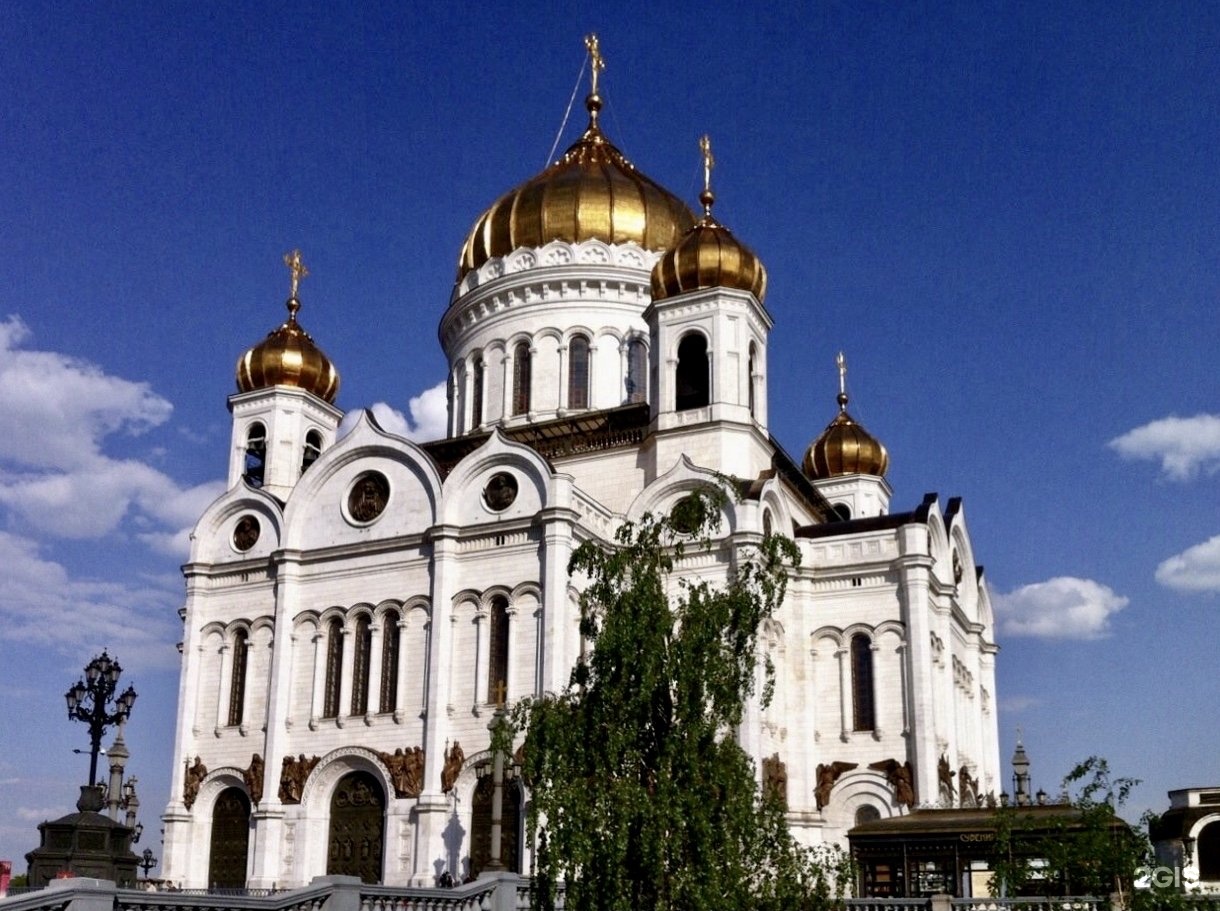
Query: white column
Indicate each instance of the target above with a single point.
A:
(844, 692)
(400, 684)
(875, 649)
(622, 370)
(563, 377)
(506, 409)
(375, 651)
(320, 639)
(903, 690)
(347, 677)
(510, 671)
(482, 628)
(222, 695)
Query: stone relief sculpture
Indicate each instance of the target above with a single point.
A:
(901, 778)
(194, 778)
(775, 778)
(945, 775)
(253, 777)
(454, 757)
(406, 769)
(293, 775)
(827, 775)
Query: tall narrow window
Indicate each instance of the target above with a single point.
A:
(360, 665)
(256, 455)
(692, 375)
(237, 685)
(750, 378)
(637, 371)
(497, 664)
(863, 714)
(454, 423)
(313, 449)
(578, 372)
(521, 378)
(476, 395)
(334, 668)
(389, 662)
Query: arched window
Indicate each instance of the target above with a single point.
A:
(750, 391)
(455, 426)
(1208, 847)
(863, 715)
(521, 378)
(389, 662)
(867, 813)
(497, 652)
(692, 375)
(360, 665)
(334, 668)
(578, 372)
(476, 394)
(637, 371)
(256, 455)
(766, 523)
(313, 449)
(843, 511)
(237, 683)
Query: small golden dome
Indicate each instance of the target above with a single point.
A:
(708, 255)
(592, 192)
(845, 447)
(288, 357)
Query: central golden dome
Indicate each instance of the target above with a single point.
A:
(592, 192)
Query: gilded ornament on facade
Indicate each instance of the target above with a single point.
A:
(501, 491)
(245, 534)
(368, 496)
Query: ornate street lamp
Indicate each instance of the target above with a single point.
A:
(89, 700)
(147, 861)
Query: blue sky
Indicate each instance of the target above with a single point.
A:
(1007, 216)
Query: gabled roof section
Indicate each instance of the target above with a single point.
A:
(919, 515)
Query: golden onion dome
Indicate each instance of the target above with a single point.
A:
(288, 356)
(591, 193)
(845, 447)
(708, 255)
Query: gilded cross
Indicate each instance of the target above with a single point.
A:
(705, 147)
(297, 268)
(595, 56)
(841, 363)
(500, 692)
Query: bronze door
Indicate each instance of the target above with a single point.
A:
(230, 839)
(357, 828)
(480, 826)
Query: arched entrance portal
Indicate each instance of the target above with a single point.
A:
(357, 828)
(230, 839)
(480, 826)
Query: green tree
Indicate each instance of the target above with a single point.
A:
(645, 799)
(1090, 850)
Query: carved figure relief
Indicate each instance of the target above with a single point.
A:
(293, 775)
(190, 785)
(368, 496)
(245, 535)
(775, 778)
(454, 758)
(945, 775)
(901, 778)
(406, 770)
(501, 491)
(827, 775)
(253, 776)
(969, 787)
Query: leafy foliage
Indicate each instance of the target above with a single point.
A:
(1091, 851)
(643, 797)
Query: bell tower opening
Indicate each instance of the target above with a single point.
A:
(693, 381)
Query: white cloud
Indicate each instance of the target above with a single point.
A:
(429, 416)
(1019, 703)
(1184, 446)
(32, 814)
(43, 607)
(54, 416)
(1060, 608)
(1196, 569)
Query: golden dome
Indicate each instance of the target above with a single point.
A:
(288, 357)
(845, 447)
(592, 192)
(708, 255)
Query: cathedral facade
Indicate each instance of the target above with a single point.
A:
(359, 605)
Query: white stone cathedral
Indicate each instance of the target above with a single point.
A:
(357, 606)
